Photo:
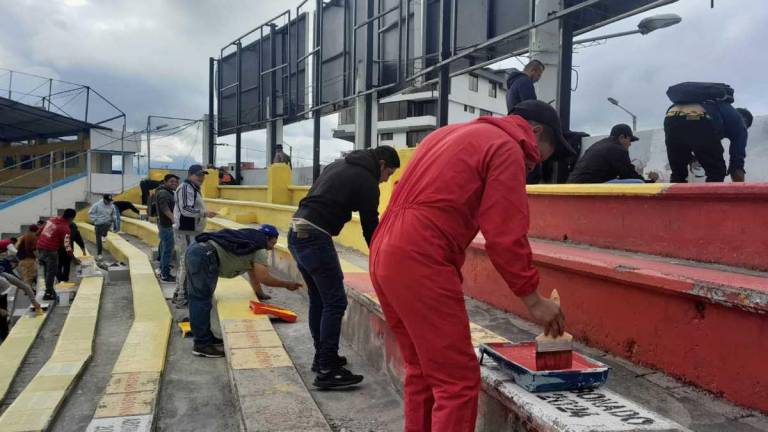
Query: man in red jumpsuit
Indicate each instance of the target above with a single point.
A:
(462, 178)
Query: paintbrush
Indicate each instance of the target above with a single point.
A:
(554, 353)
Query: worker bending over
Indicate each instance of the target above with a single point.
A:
(463, 178)
(227, 253)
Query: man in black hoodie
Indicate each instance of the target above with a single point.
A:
(346, 185)
(520, 84)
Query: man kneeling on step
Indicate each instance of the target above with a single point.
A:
(227, 253)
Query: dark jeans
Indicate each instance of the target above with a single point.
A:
(202, 276)
(698, 137)
(65, 263)
(165, 249)
(101, 232)
(318, 263)
(50, 261)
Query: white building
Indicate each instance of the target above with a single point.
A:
(405, 119)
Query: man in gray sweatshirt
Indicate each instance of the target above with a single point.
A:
(189, 218)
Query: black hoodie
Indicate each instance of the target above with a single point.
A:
(519, 88)
(346, 185)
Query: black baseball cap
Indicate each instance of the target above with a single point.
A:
(196, 170)
(107, 197)
(623, 129)
(542, 112)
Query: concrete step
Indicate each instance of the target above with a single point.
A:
(703, 324)
(717, 223)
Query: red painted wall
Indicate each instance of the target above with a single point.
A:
(711, 223)
(719, 348)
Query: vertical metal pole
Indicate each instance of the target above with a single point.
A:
(87, 101)
(566, 63)
(211, 90)
(444, 86)
(122, 157)
(50, 183)
(318, 60)
(50, 89)
(10, 83)
(368, 121)
(273, 94)
(149, 151)
(238, 142)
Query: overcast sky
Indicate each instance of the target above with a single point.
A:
(151, 57)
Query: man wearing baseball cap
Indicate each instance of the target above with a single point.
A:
(608, 159)
(464, 178)
(189, 218)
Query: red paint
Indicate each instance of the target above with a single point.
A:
(719, 223)
(524, 354)
(651, 313)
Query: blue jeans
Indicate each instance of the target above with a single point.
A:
(318, 263)
(626, 181)
(117, 220)
(165, 249)
(202, 276)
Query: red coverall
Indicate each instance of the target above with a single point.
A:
(462, 178)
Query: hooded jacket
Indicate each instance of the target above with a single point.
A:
(189, 203)
(519, 88)
(237, 241)
(346, 185)
(463, 179)
(604, 161)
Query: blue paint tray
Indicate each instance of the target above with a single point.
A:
(519, 359)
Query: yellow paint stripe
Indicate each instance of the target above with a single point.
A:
(15, 348)
(47, 390)
(145, 348)
(604, 189)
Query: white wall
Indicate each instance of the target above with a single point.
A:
(113, 183)
(650, 152)
(30, 210)
(461, 94)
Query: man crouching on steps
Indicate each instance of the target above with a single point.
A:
(227, 253)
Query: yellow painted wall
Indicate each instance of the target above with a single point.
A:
(406, 154)
(298, 193)
(278, 180)
(244, 193)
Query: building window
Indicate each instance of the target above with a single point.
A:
(27, 162)
(492, 90)
(9, 161)
(473, 83)
(413, 138)
(469, 109)
(422, 108)
(485, 113)
(393, 111)
(386, 136)
(347, 116)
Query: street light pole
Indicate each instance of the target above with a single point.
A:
(634, 117)
(645, 26)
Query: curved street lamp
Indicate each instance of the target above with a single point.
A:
(645, 26)
(634, 117)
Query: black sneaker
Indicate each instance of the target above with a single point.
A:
(337, 378)
(340, 361)
(168, 278)
(217, 341)
(209, 351)
(49, 296)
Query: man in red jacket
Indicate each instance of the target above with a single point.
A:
(54, 235)
(462, 178)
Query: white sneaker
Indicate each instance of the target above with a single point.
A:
(98, 257)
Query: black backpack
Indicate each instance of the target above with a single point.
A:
(698, 92)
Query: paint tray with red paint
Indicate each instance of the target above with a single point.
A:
(519, 359)
(286, 315)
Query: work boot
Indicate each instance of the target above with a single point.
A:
(340, 361)
(49, 295)
(209, 351)
(336, 378)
